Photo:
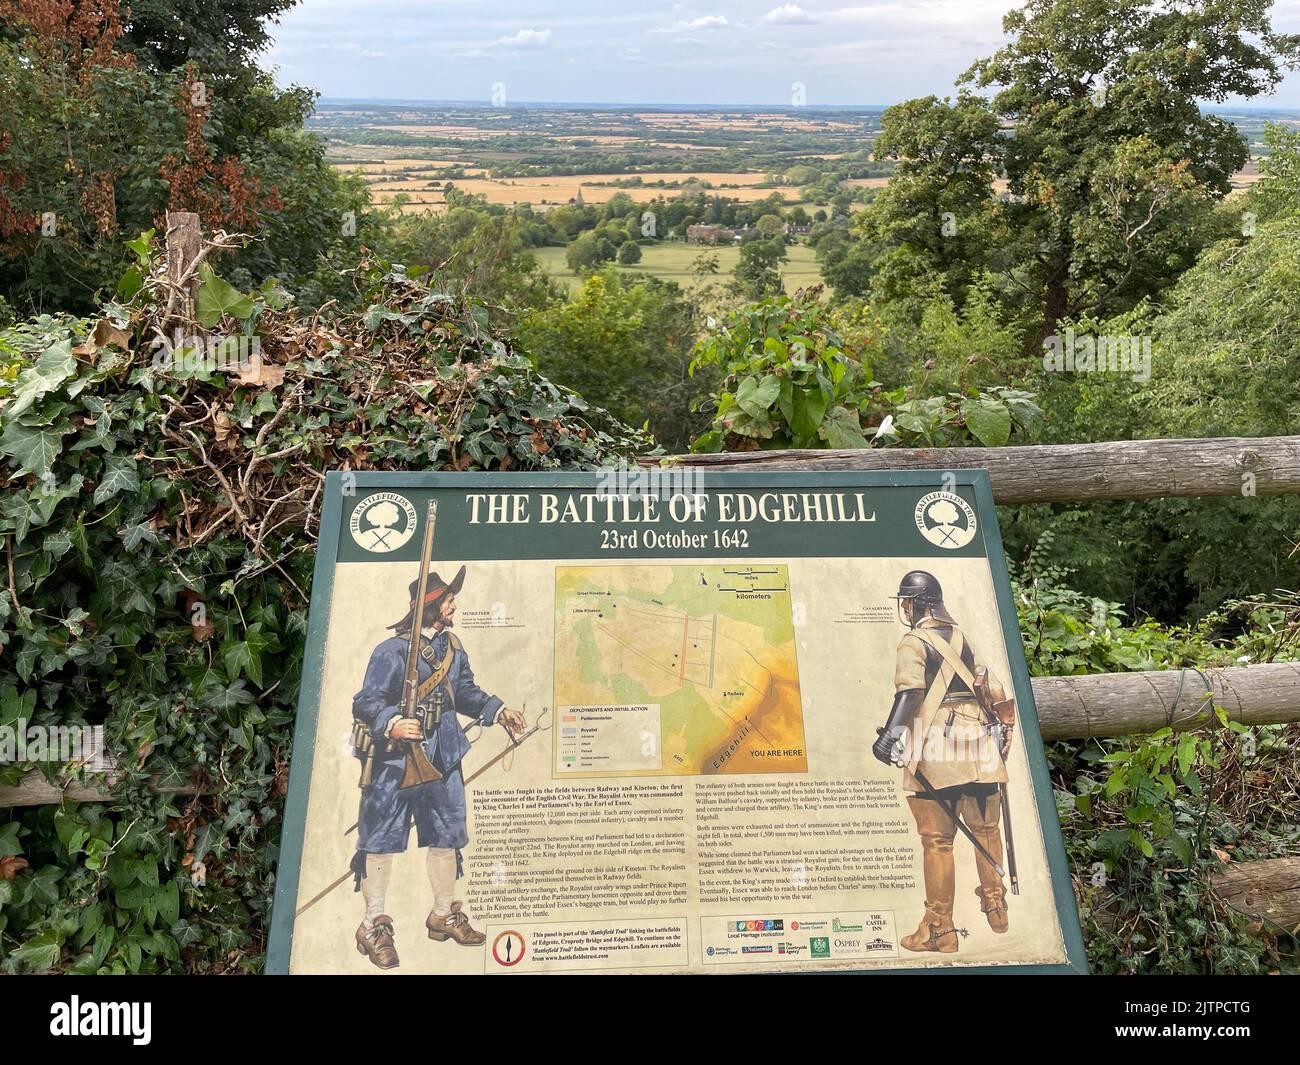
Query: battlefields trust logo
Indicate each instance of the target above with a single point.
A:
(945, 520)
(382, 522)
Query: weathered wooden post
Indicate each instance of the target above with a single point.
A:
(184, 240)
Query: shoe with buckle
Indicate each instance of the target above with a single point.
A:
(376, 942)
(454, 925)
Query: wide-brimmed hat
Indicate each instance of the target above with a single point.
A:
(434, 590)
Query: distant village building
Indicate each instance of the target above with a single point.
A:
(709, 234)
(792, 230)
(701, 233)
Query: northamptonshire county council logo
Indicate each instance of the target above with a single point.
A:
(946, 520)
(382, 522)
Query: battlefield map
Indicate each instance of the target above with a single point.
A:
(676, 670)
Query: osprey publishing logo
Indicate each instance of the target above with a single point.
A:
(946, 520)
(382, 522)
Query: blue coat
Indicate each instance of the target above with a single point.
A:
(437, 808)
(380, 698)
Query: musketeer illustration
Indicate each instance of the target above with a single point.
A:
(950, 730)
(407, 733)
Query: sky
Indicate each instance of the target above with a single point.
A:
(649, 51)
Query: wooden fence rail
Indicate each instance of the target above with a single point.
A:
(1063, 473)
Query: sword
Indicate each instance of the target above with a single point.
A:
(514, 744)
(1011, 842)
(930, 793)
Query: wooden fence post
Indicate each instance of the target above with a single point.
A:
(184, 240)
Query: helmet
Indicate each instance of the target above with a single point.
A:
(927, 593)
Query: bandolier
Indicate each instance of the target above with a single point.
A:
(949, 729)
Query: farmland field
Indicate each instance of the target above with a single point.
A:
(547, 156)
(672, 261)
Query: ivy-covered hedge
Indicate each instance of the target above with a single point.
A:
(157, 525)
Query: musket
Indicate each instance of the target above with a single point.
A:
(419, 770)
(514, 743)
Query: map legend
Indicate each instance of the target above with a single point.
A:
(601, 739)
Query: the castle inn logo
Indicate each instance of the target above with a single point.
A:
(945, 520)
(382, 522)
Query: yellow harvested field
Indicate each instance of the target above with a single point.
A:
(419, 180)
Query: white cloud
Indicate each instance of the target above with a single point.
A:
(527, 39)
(704, 22)
(788, 15)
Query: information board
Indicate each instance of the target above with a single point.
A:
(667, 721)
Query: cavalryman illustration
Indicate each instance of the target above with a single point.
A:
(408, 734)
(950, 730)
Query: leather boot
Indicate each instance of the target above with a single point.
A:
(935, 932)
(376, 942)
(993, 901)
(454, 926)
(984, 817)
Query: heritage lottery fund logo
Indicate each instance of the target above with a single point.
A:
(946, 520)
(382, 522)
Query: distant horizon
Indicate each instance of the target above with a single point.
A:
(661, 106)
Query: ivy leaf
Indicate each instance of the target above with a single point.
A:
(119, 476)
(218, 298)
(227, 699)
(988, 421)
(56, 365)
(34, 448)
(135, 534)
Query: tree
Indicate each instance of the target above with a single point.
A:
(98, 141)
(758, 272)
(932, 220)
(586, 254)
(630, 253)
(1112, 164)
(627, 341)
(167, 34)
(474, 248)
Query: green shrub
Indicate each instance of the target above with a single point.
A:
(158, 523)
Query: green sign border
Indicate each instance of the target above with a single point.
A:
(304, 744)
